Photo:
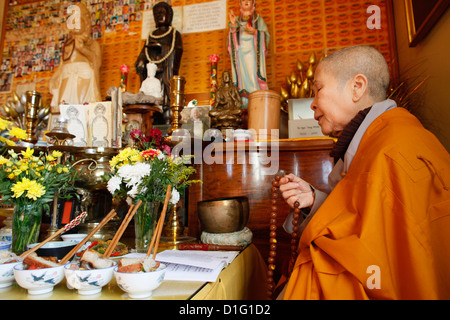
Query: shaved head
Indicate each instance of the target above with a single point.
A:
(344, 64)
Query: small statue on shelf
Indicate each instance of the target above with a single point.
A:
(151, 86)
(248, 41)
(77, 79)
(164, 47)
(227, 113)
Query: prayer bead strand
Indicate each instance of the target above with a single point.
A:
(273, 237)
(273, 234)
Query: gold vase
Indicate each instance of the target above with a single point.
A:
(33, 99)
(177, 102)
(173, 231)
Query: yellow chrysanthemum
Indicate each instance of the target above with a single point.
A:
(28, 153)
(35, 190)
(18, 133)
(32, 187)
(3, 160)
(57, 154)
(136, 158)
(7, 141)
(4, 124)
(20, 187)
(50, 158)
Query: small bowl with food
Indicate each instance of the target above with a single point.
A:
(38, 274)
(118, 251)
(90, 274)
(8, 261)
(138, 277)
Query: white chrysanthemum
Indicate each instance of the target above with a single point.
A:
(161, 156)
(133, 191)
(175, 196)
(114, 184)
(133, 174)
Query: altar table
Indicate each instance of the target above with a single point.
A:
(244, 278)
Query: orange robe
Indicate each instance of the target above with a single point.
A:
(384, 230)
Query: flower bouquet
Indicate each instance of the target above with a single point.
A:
(30, 182)
(143, 173)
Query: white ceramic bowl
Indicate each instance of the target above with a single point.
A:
(7, 273)
(74, 237)
(5, 245)
(141, 284)
(88, 282)
(38, 281)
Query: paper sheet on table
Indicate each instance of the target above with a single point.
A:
(202, 259)
(181, 272)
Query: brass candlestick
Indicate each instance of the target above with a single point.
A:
(177, 102)
(33, 99)
(173, 230)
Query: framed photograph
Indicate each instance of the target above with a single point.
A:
(6, 82)
(196, 120)
(421, 16)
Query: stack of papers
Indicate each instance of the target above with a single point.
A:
(193, 265)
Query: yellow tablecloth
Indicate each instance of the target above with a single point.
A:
(244, 279)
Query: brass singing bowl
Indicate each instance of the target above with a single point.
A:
(223, 215)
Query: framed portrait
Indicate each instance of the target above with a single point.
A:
(196, 120)
(421, 16)
(6, 82)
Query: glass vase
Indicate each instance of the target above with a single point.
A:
(144, 224)
(26, 226)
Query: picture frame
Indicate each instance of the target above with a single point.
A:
(197, 114)
(421, 16)
(6, 82)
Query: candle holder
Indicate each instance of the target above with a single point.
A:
(33, 99)
(214, 58)
(177, 102)
(124, 69)
(173, 231)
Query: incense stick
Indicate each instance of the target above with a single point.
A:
(157, 234)
(121, 230)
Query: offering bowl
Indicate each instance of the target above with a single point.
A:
(38, 281)
(140, 285)
(7, 273)
(223, 215)
(88, 282)
(5, 245)
(74, 237)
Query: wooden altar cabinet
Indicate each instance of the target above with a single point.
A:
(247, 169)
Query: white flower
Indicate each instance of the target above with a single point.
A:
(114, 184)
(133, 191)
(133, 174)
(175, 196)
(161, 156)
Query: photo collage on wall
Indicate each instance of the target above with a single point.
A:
(34, 35)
